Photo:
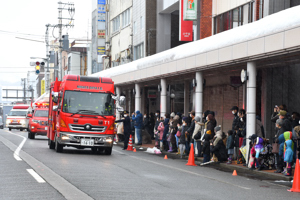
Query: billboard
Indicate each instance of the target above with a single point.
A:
(185, 27)
(189, 10)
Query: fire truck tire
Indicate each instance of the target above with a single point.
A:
(58, 147)
(108, 150)
(51, 144)
(21, 129)
(9, 129)
(31, 135)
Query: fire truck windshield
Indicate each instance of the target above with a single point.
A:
(91, 102)
(17, 113)
(41, 113)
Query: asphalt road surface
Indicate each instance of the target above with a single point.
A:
(30, 170)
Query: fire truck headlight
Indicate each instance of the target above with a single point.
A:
(7, 121)
(65, 137)
(109, 139)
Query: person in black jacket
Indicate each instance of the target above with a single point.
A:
(236, 118)
(127, 128)
(242, 132)
(206, 148)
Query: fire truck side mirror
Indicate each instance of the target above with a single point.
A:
(55, 108)
(55, 97)
(29, 115)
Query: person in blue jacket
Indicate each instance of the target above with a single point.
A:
(280, 161)
(138, 125)
(288, 157)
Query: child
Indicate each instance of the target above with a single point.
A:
(181, 141)
(230, 146)
(161, 129)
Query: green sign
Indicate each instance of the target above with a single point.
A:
(189, 10)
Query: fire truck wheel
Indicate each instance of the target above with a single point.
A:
(51, 144)
(58, 147)
(9, 129)
(108, 150)
(31, 135)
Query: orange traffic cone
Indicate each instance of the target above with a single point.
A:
(234, 173)
(296, 181)
(166, 157)
(134, 150)
(129, 148)
(191, 160)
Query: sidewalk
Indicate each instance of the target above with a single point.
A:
(268, 174)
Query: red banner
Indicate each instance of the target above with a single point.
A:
(185, 27)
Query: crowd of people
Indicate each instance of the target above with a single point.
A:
(175, 133)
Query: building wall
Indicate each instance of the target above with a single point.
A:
(226, 5)
(138, 11)
(151, 26)
(205, 18)
(75, 63)
(120, 40)
(163, 28)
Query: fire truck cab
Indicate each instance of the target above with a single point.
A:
(81, 113)
(38, 121)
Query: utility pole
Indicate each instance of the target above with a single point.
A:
(24, 89)
(71, 11)
(47, 72)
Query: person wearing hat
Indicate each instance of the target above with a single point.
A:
(189, 133)
(287, 124)
(127, 128)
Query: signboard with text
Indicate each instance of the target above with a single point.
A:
(185, 27)
(101, 51)
(42, 87)
(101, 34)
(189, 10)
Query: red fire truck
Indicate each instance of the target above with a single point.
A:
(81, 113)
(38, 121)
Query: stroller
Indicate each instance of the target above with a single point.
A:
(266, 157)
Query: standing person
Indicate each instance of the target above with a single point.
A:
(161, 129)
(147, 125)
(206, 147)
(278, 161)
(166, 130)
(230, 146)
(189, 133)
(197, 131)
(181, 140)
(210, 125)
(138, 125)
(287, 124)
(242, 133)
(152, 124)
(236, 118)
(127, 128)
(235, 125)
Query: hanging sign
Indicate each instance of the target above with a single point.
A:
(189, 10)
(185, 27)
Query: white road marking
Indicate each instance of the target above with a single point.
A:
(17, 151)
(36, 176)
(186, 171)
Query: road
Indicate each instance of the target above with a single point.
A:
(81, 174)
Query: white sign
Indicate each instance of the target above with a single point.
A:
(189, 10)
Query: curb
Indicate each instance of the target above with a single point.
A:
(239, 169)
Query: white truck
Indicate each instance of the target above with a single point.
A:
(17, 117)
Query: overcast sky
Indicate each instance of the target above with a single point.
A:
(27, 19)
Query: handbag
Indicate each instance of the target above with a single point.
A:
(197, 136)
(178, 134)
(275, 148)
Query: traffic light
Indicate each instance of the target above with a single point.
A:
(37, 67)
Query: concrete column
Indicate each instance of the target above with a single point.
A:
(137, 97)
(199, 94)
(163, 97)
(251, 102)
(118, 93)
(186, 97)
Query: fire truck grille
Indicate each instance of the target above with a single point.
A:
(87, 128)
